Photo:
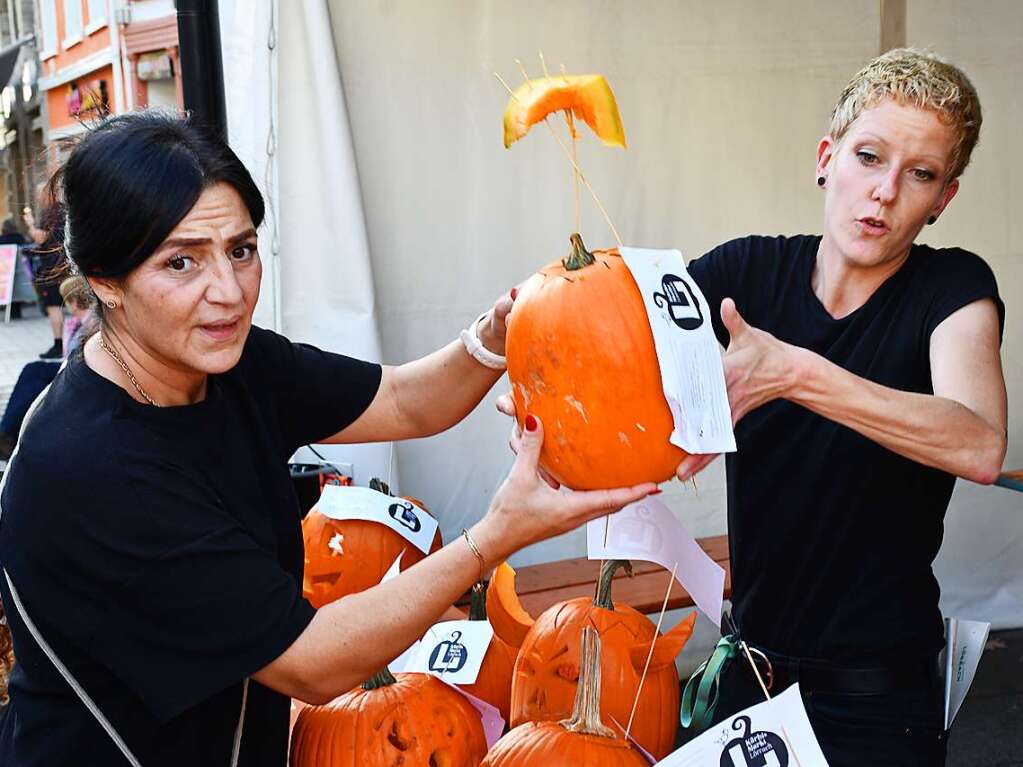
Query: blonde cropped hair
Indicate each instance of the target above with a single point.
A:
(912, 77)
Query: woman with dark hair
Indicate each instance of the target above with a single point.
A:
(153, 590)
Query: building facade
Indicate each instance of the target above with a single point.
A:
(100, 57)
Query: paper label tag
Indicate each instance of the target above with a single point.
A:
(633, 742)
(404, 517)
(454, 650)
(692, 375)
(493, 722)
(964, 644)
(775, 733)
(648, 530)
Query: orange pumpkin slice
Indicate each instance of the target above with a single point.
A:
(588, 96)
(504, 610)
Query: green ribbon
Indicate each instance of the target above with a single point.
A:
(700, 696)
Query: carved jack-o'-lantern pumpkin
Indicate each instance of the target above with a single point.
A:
(583, 739)
(547, 668)
(348, 556)
(392, 719)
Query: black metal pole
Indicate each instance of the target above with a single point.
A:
(202, 67)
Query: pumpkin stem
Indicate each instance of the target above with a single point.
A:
(380, 486)
(586, 712)
(478, 604)
(607, 572)
(579, 257)
(382, 678)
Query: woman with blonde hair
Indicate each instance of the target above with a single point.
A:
(864, 375)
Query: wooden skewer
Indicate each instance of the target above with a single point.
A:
(522, 69)
(507, 87)
(582, 177)
(568, 154)
(543, 66)
(650, 654)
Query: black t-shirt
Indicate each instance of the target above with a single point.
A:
(832, 535)
(159, 553)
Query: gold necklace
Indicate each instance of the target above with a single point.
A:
(119, 361)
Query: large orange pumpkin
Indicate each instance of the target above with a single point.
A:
(494, 681)
(412, 719)
(581, 357)
(582, 740)
(547, 668)
(345, 557)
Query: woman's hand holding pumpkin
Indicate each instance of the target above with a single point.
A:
(493, 327)
(526, 509)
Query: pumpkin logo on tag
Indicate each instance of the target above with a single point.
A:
(403, 514)
(683, 308)
(450, 655)
(754, 749)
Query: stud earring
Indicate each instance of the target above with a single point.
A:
(111, 303)
(932, 219)
(820, 180)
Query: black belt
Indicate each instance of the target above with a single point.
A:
(816, 676)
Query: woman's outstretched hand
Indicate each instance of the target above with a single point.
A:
(758, 367)
(526, 509)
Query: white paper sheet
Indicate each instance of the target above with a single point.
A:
(493, 722)
(775, 733)
(692, 374)
(404, 517)
(964, 644)
(647, 530)
(454, 650)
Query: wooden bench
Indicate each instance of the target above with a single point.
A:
(540, 586)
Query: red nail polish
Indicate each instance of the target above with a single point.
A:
(514, 292)
(658, 491)
(530, 423)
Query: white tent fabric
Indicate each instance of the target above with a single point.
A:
(723, 105)
(320, 289)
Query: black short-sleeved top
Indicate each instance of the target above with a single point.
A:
(832, 535)
(159, 553)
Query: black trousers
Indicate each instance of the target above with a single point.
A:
(894, 729)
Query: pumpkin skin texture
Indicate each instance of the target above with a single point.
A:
(588, 97)
(583, 740)
(416, 720)
(547, 669)
(368, 550)
(581, 357)
(494, 681)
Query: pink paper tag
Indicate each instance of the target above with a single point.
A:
(632, 741)
(493, 722)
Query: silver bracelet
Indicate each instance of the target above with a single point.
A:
(471, 339)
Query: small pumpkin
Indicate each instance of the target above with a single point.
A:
(577, 325)
(348, 556)
(547, 667)
(493, 684)
(588, 97)
(582, 740)
(391, 719)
